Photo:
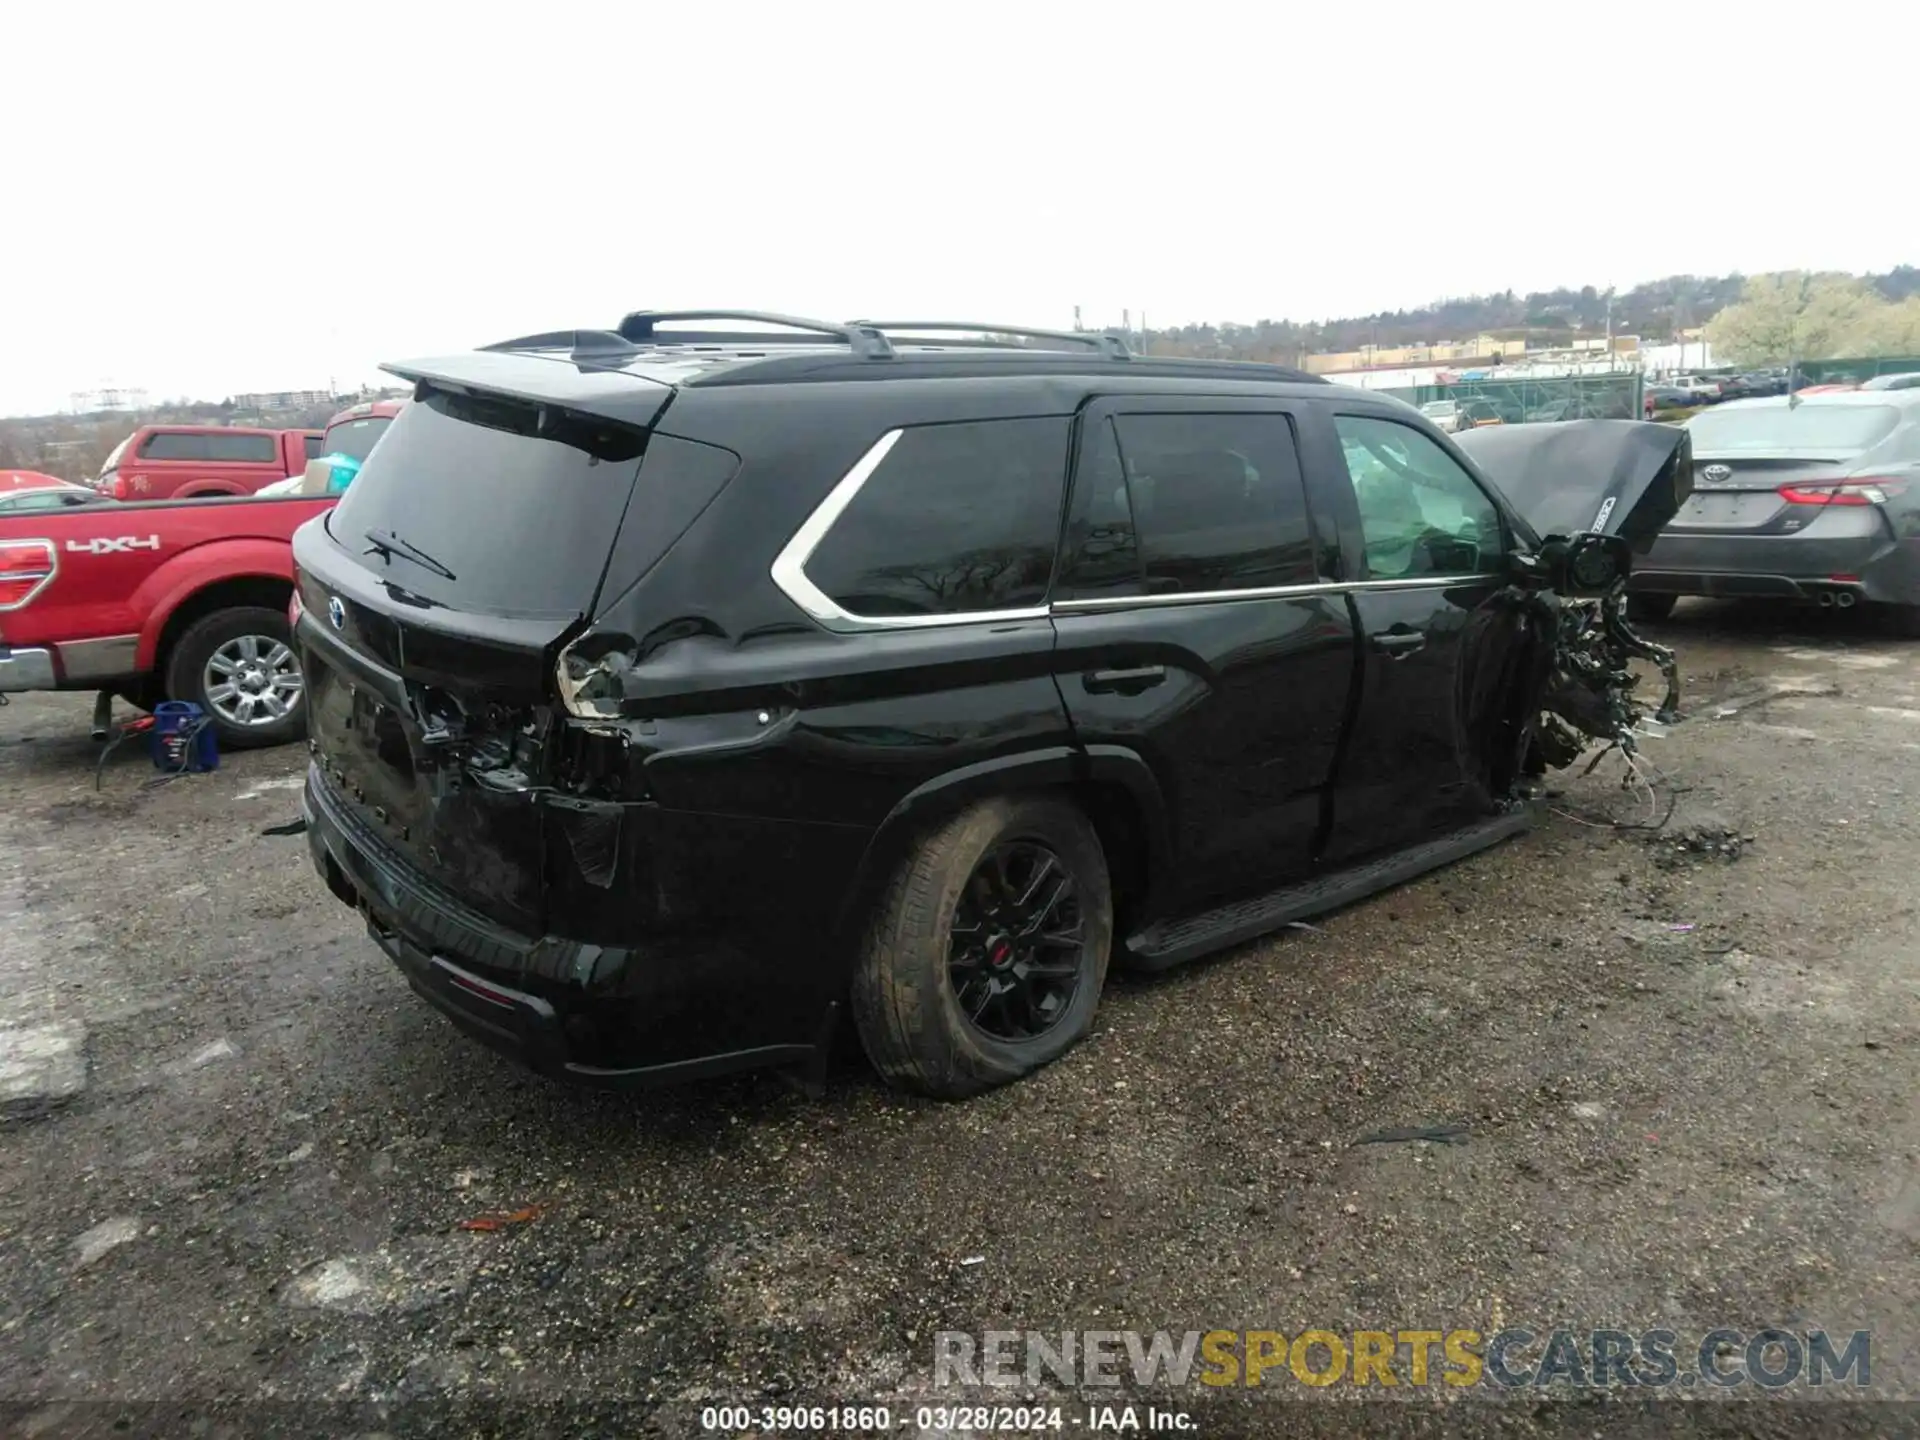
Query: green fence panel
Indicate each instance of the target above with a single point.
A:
(1852, 372)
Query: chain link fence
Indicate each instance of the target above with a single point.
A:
(1615, 395)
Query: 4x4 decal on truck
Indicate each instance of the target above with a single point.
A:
(113, 544)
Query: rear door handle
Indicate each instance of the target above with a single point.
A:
(1397, 643)
(1123, 682)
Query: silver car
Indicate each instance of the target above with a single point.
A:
(1816, 500)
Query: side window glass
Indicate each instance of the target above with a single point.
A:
(1420, 512)
(250, 449)
(171, 445)
(956, 519)
(1218, 501)
(312, 444)
(1099, 555)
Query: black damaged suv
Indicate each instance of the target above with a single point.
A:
(674, 689)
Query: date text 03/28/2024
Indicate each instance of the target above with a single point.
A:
(945, 1419)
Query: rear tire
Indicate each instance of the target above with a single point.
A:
(1650, 608)
(952, 922)
(1902, 620)
(248, 641)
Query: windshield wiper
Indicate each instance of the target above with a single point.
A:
(387, 544)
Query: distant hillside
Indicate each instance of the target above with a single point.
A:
(1654, 311)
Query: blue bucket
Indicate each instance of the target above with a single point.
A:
(182, 738)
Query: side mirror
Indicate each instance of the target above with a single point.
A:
(1586, 564)
(1595, 563)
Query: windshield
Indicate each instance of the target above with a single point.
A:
(1829, 430)
(1437, 407)
(519, 503)
(354, 438)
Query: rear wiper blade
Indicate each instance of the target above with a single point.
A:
(388, 544)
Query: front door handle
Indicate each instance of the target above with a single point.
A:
(1123, 682)
(1399, 642)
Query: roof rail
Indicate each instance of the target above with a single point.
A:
(865, 341)
(1112, 346)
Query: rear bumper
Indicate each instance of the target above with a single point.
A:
(593, 1027)
(72, 665)
(1794, 567)
(26, 670)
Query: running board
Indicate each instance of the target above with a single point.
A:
(1162, 946)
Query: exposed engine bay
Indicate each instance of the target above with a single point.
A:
(1595, 493)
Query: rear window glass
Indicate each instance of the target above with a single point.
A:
(310, 444)
(520, 504)
(1833, 429)
(354, 438)
(956, 518)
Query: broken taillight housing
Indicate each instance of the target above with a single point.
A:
(26, 566)
(1871, 491)
(590, 689)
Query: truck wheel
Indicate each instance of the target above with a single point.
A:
(239, 667)
(985, 957)
(1650, 607)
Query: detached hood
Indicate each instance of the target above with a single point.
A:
(1621, 477)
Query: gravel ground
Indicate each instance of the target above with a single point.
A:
(244, 1177)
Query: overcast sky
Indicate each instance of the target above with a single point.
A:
(204, 199)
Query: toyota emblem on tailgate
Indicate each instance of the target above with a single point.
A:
(337, 612)
(1717, 473)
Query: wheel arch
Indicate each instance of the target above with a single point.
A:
(269, 592)
(1112, 785)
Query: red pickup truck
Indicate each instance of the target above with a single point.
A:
(181, 599)
(179, 462)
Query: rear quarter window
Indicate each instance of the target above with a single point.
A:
(956, 519)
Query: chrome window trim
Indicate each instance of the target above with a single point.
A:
(1269, 592)
(789, 573)
(789, 570)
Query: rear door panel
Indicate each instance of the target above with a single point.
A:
(1241, 731)
(1236, 698)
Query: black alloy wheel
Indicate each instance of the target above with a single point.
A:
(987, 950)
(1017, 945)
